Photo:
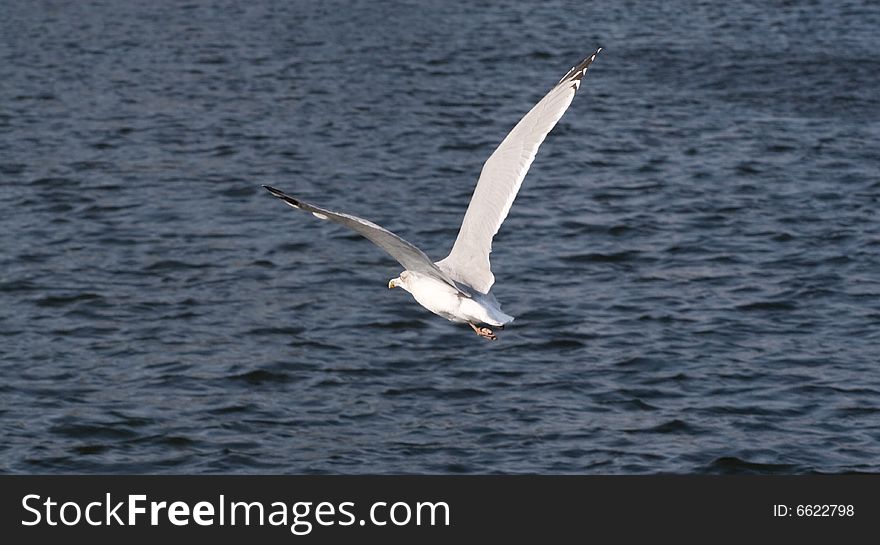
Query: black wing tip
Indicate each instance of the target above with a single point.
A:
(592, 57)
(581, 68)
(578, 71)
(281, 195)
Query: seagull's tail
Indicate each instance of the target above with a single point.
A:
(499, 317)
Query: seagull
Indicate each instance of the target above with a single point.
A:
(458, 286)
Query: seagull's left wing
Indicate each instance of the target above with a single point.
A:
(502, 175)
(404, 252)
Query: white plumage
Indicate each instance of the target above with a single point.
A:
(457, 287)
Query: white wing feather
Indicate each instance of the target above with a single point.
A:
(407, 254)
(500, 180)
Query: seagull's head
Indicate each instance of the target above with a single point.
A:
(400, 281)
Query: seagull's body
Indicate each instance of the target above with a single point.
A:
(444, 300)
(458, 287)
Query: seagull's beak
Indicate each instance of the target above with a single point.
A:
(392, 283)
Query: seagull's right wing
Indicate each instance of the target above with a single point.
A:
(405, 253)
(502, 175)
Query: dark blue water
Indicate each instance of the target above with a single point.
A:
(693, 261)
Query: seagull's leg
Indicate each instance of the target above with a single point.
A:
(484, 332)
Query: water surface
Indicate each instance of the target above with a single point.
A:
(693, 260)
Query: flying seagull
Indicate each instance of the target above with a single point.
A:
(457, 287)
